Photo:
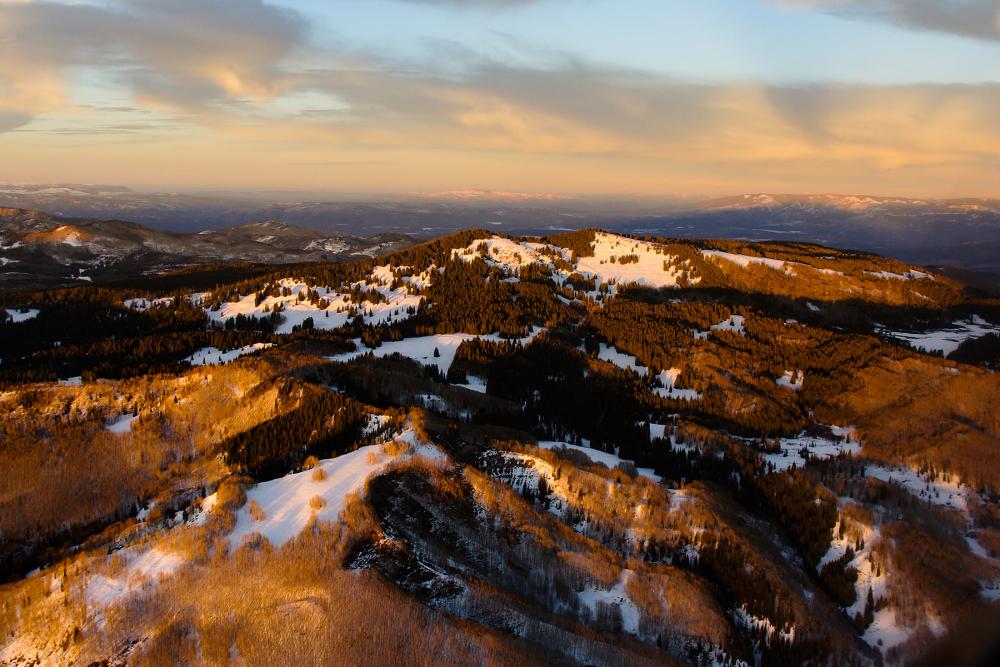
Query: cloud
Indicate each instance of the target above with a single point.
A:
(580, 109)
(11, 120)
(179, 53)
(478, 4)
(979, 19)
(241, 88)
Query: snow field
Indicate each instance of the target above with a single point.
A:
(792, 380)
(621, 360)
(121, 424)
(616, 595)
(598, 456)
(145, 304)
(336, 314)
(751, 622)
(421, 348)
(22, 315)
(790, 268)
(746, 260)
(648, 270)
(141, 570)
(506, 254)
(657, 431)
(912, 274)
(285, 501)
(667, 379)
(947, 340)
(734, 324)
(474, 383)
(210, 356)
(940, 491)
(817, 447)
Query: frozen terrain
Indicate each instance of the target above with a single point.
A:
(207, 356)
(22, 315)
(947, 340)
(422, 348)
(121, 424)
(598, 456)
(288, 504)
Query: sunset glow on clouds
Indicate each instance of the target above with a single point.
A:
(575, 96)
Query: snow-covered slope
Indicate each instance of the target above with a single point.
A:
(438, 350)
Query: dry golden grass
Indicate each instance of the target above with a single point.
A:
(614, 503)
(990, 539)
(671, 598)
(395, 448)
(60, 468)
(817, 286)
(256, 511)
(291, 606)
(230, 495)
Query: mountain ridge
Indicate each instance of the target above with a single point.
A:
(41, 248)
(961, 232)
(584, 447)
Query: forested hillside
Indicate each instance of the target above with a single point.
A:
(578, 449)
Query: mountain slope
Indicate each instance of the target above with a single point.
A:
(581, 449)
(962, 232)
(38, 248)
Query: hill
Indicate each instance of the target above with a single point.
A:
(585, 448)
(39, 248)
(961, 233)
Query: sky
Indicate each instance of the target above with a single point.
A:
(567, 97)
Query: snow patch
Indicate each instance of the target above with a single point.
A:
(210, 356)
(22, 315)
(421, 348)
(746, 260)
(143, 570)
(947, 340)
(615, 596)
(797, 451)
(285, 501)
(912, 274)
(792, 380)
(621, 360)
(941, 491)
(668, 380)
(886, 632)
(474, 383)
(145, 304)
(121, 424)
(651, 267)
(734, 324)
(598, 456)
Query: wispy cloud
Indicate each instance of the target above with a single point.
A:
(979, 19)
(478, 4)
(169, 52)
(244, 75)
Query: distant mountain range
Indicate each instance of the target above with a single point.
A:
(962, 233)
(38, 248)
